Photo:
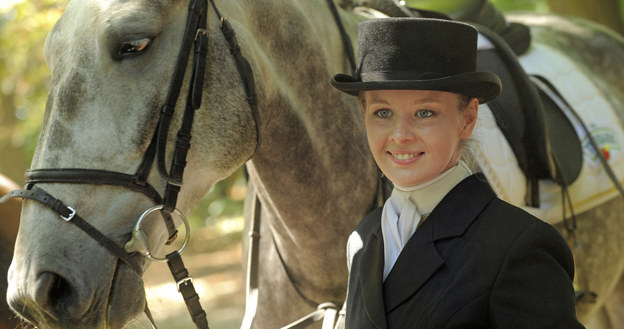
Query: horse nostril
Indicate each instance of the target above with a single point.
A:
(54, 295)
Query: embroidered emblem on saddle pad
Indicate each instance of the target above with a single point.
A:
(608, 143)
(592, 187)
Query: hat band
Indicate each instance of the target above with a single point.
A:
(400, 75)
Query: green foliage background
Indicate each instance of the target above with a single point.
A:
(24, 82)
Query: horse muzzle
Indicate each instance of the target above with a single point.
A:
(51, 300)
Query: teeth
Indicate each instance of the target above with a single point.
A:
(404, 156)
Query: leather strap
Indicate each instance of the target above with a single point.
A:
(245, 72)
(346, 41)
(92, 176)
(186, 288)
(136, 182)
(69, 215)
(534, 167)
(326, 312)
(194, 35)
(253, 259)
(196, 9)
(550, 89)
(196, 22)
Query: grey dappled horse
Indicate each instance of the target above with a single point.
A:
(9, 216)
(111, 64)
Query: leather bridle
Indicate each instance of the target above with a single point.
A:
(195, 37)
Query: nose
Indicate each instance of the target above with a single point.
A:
(403, 131)
(51, 297)
(55, 295)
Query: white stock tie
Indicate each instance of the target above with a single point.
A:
(401, 219)
(403, 211)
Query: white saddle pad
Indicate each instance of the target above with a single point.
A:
(593, 187)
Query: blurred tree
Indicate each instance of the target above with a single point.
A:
(24, 85)
(605, 12)
(449, 6)
(24, 79)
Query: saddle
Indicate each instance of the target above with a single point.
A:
(541, 136)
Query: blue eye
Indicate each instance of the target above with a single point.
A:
(424, 114)
(383, 113)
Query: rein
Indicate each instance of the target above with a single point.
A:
(195, 36)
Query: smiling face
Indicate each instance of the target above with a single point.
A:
(415, 135)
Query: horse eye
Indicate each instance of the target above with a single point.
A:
(132, 47)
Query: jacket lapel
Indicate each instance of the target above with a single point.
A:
(419, 260)
(371, 278)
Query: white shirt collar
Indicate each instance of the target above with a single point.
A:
(426, 196)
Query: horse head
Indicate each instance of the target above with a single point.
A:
(112, 63)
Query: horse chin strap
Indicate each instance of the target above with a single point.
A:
(195, 36)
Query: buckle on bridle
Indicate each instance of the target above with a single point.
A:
(184, 282)
(200, 32)
(72, 213)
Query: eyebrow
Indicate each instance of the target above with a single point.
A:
(427, 100)
(417, 101)
(378, 101)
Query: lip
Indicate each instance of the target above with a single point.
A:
(404, 157)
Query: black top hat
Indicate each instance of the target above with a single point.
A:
(420, 54)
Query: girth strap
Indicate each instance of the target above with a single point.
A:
(69, 215)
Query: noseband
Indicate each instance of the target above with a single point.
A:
(195, 37)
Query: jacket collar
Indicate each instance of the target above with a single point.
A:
(419, 260)
(468, 198)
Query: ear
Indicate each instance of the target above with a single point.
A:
(470, 118)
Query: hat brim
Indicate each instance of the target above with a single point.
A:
(484, 86)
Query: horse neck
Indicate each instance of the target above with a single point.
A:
(314, 163)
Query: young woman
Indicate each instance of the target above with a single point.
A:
(444, 251)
